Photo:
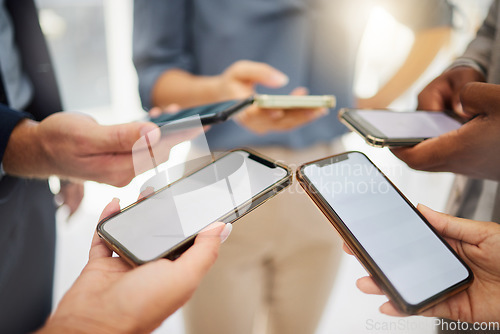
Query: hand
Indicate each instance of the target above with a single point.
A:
(70, 194)
(478, 244)
(262, 121)
(112, 297)
(443, 93)
(74, 146)
(170, 109)
(239, 80)
(474, 148)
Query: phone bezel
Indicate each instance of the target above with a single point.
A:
(362, 255)
(230, 217)
(372, 136)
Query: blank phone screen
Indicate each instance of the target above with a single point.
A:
(418, 124)
(408, 252)
(155, 225)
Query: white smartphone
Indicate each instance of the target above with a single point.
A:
(294, 102)
(382, 128)
(165, 224)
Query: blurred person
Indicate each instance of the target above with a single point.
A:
(469, 149)
(478, 244)
(37, 141)
(281, 259)
(110, 296)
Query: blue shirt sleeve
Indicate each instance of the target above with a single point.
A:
(159, 41)
(9, 119)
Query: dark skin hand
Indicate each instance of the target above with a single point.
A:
(473, 149)
(478, 244)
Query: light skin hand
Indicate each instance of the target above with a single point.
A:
(72, 145)
(473, 149)
(478, 244)
(70, 194)
(112, 297)
(262, 121)
(238, 81)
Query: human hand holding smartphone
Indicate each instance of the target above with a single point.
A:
(220, 112)
(479, 242)
(403, 253)
(387, 128)
(165, 224)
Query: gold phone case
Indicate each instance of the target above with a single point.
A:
(364, 258)
(229, 217)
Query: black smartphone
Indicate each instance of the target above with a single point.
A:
(382, 128)
(403, 253)
(208, 114)
(165, 224)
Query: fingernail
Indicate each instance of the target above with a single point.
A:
(226, 232)
(280, 79)
(116, 199)
(459, 108)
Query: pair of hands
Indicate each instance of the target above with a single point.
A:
(112, 297)
(238, 81)
(473, 149)
(478, 244)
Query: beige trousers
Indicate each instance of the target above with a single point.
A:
(277, 268)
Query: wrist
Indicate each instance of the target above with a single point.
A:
(23, 154)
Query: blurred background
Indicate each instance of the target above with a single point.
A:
(91, 43)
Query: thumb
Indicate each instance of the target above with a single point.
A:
(122, 137)
(479, 98)
(258, 73)
(300, 91)
(469, 231)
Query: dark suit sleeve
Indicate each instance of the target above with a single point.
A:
(9, 119)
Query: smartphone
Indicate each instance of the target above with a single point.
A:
(208, 114)
(381, 128)
(165, 224)
(294, 102)
(403, 253)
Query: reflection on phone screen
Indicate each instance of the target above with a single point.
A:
(418, 124)
(407, 251)
(160, 222)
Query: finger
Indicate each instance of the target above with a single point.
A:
(347, 249)
(259, 73)
(298, 117)
(434, 96)
(120, 138)
(98, 248)
(469, 231)
(300, 91)
(202, 255)
(367, 285)
(389, 309)
(478, 98)
(154, 112)
(435, 154)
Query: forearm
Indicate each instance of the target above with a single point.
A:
(427, 45)
(185, 89)
(24, 152)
